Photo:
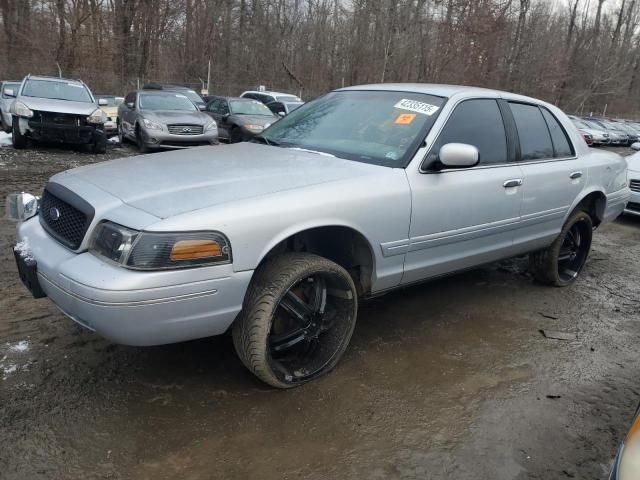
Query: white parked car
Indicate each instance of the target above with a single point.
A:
(633, 161)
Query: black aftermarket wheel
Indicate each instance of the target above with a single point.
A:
(561, 263)
(297, 319)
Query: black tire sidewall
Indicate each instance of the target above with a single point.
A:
(578, 216)
(262, 283)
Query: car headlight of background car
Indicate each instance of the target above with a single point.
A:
(98, 116)
(211, 126)
(22, 110)
(151, 125)
(157, 251)
(254, 128)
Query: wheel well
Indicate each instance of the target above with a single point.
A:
(342, 245)
(594, 204)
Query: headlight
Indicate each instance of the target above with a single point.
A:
(158, 251)
(23, 111)
(211, 126)
(151, 125)
(254, 128)
(98, 116)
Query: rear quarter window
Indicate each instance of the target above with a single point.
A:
(561, 145)
(535, 140)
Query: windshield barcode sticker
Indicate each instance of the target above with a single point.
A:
(416, 106)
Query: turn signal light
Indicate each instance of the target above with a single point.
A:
(194, 249)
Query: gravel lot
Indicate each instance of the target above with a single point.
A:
(450, 379)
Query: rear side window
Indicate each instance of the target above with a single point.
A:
(561, 145)
(535, 140)
(479, 123)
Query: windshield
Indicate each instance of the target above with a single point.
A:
(594, 125)
(56, 90)
(251, 107)
(170, 101)
(288, 98)
(112, 101)
(379, 127)
(580, 124)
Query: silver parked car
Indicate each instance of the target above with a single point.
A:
(51, 109)
(354, 194)
(633, 161)
(7, 97)
(162, 119)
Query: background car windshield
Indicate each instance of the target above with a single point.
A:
(166, 102)
(13, 85)
(288, 98)
(193, 96)
(111, 100)
(240, 107)
(383, 128)
(293, 105)
(56, 90)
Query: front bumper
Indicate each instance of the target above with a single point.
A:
(633, 207)
(132, 307)
(164, 139)
(51, 132)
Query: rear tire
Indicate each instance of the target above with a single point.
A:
(297, 319)
(18, 139)
(561, 263)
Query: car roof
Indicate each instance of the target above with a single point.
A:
(443, 90)
(242, 99)
(153, 91)
(54, 79)
(273, 94)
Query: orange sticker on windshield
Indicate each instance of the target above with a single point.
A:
(405, 118)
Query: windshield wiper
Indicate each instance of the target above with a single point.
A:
(266, 141)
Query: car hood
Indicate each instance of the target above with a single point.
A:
(172, 116)
(633, 163)
(58, 106)
(171, 183)
(254, 119)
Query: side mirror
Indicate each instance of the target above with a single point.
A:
(202, 107)
(458, 155)
(226, 116)
(21, 206)
(282, 114)
(635, 146)
(130, 105)
(103, 102)
(10, 92)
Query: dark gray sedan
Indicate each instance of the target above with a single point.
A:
(163, 119)
(238, 118)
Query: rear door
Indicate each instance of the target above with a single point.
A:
(465, 217)
(553, 177)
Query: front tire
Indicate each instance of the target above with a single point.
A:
(100, 144)
(236, 135)
(18, 139)
(561, 263)
(297, 319)
(142, 146)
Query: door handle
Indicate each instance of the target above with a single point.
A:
(575, 175)
(514, 182)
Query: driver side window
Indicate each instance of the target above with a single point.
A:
(476, 122)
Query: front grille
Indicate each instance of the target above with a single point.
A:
(634, 185)
(65, 215)
(185, 129)
(62, 119)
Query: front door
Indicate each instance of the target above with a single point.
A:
(465, 217)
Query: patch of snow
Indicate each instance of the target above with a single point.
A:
(8, 370)
(5, 139)
(22, 248)
(21, 346)
(113, 140)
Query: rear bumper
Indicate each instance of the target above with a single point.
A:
(616, 203)
(132, 307)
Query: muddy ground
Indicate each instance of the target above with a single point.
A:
(451, 379)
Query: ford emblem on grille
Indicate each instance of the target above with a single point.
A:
(186, 129)
(54, 213)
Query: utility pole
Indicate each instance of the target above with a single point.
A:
(209, 77)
